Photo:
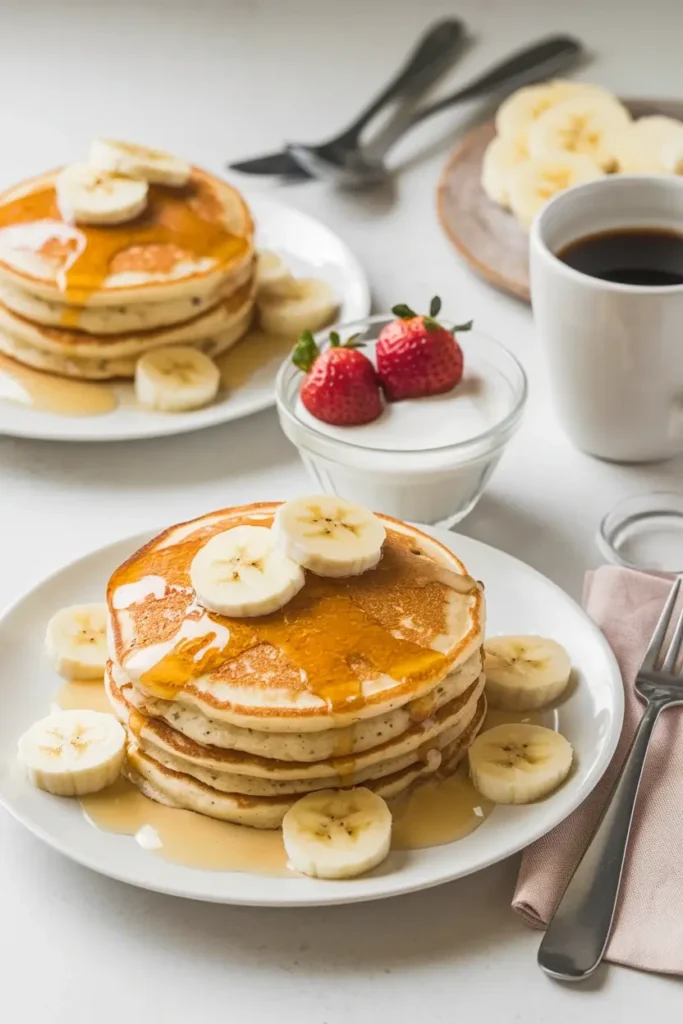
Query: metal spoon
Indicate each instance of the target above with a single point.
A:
(433, 56)
(364, 166)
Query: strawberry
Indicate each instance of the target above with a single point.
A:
(416, 356)
(341, 385)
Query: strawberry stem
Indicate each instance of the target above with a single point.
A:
(463, 327)
(403, 312)
(306, 351)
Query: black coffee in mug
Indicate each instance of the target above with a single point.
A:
(649, 257)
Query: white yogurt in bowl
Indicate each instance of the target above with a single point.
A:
(424, 459)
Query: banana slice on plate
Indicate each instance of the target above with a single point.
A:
(582, 125)
(328, 535)
(519, 111)
(176, 379)
(242, 573)
(524, 672)
(502, 156)
(644, 145)
(71, 753)
(272, 276)
(76, 641)
(537, 180)
(337, 833)
(516, 764)
(152, 165)
(311, 306)
(87, 195)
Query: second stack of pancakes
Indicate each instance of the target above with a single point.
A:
(375, 679)
(86, 301)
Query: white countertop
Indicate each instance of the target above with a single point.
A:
(224, 79)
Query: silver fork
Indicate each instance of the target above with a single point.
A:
(577, 935)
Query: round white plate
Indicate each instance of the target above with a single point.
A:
(310, 249)
(520, 600)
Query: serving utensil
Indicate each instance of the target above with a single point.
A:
(577, 935)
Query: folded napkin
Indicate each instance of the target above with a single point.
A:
(648, 927)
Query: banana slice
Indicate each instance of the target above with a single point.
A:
(273, 278)
(537, 180)
(500, 159)
(152, 165)
(645, 144)
(515, 764)
(519, 111)
(337, 833)
(76, 641)
(328, 535)
(89, 196)
(175, 379)
(241, 572)
(311, 306)
(71, 753)
(524, 672)
(582, 125)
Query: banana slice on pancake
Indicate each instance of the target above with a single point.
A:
(242, 573)
(524, 672)
(76, 641)
(337, 833)
(87, 195)
(176, 378)
(152, 165)
(71, 753)
(516, 764)
(311, 305)
(328, 535)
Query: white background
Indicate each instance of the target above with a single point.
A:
(215, 80)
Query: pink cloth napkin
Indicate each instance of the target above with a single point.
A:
(648, 928)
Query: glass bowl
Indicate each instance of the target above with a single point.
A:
(645, 532)
(427, 459)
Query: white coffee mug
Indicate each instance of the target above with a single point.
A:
(614, 351)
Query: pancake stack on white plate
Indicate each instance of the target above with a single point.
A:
(103, 261)
(374, 679)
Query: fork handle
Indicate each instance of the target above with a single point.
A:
(434, 53)
(577, 935)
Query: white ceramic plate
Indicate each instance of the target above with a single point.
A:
(310, 249)
(520, 600)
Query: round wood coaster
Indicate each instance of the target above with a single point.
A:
(487, 236)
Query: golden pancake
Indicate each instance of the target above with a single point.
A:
(342, 650)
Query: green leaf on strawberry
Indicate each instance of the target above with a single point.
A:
(306, 352)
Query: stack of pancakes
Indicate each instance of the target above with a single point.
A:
(86, 301)
(374, 679)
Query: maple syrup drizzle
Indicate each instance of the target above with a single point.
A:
(177, 223)
(325, 631)
(435, 814)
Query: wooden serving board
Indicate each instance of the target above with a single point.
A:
(487, 236)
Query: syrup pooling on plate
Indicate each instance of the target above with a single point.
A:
(328, 631)
(178, 223)
(49, 393)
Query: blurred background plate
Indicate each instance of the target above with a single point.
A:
(487, 236)
(310, 249)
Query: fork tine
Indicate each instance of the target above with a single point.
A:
(662, 626)
(674, 647)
